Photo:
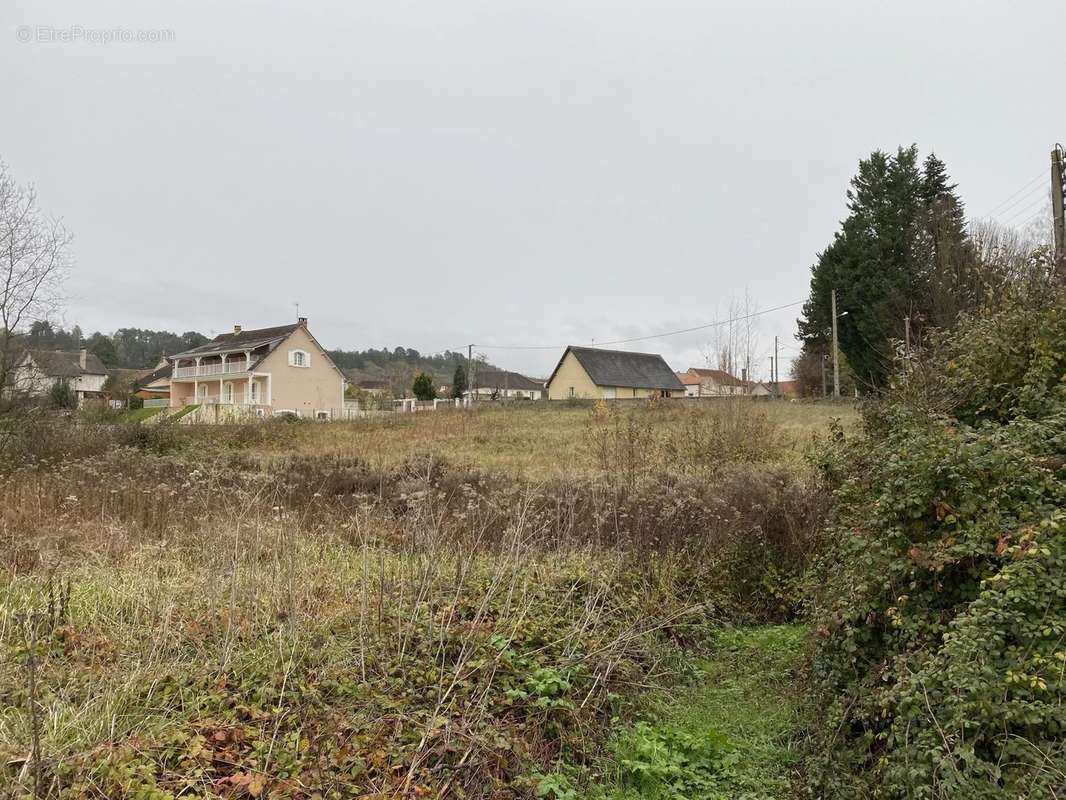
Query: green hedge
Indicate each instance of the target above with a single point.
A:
(941, 612)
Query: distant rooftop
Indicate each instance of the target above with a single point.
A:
(624, 368)
(241, 340)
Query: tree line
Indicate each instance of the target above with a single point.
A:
(129, 348)
(141, 348)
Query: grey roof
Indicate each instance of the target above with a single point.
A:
(64, 364)
(245, 340)
(623, 368)
(502, 379)
(158, 374)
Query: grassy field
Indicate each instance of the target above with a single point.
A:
(438, 605)
(540, 441)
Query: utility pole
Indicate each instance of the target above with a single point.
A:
(470, 373)
(1058, 189)
(824, 359)
(771, 374)
(777, 371)
(907, 335)
(836, 363)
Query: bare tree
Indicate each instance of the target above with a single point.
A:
(34, 261)
(1004, 259)
(734, 344)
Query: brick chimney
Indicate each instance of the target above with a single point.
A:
(301, 321)
(236, 329)
(83, 357)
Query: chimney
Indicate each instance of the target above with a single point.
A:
(83, 357)
(301, 321)
(236, 329)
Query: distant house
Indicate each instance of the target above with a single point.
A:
(501, 384)
(592, 373)
(279, 370)
(120, 383)
(782, 389)
(153, 387)
(789, 389)
(39, 370)
(373, 387)
(761, 389)
(718, 382)
(690, 382)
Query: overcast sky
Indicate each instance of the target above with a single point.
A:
(438, 173)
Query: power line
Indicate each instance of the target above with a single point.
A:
(651, 336)
(1026, 210)
(1021, 199)
(1041, 213)
(999, 206)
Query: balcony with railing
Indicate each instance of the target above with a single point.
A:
(213, 369)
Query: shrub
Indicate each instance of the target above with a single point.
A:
(62, 396)
(423, 387)
(943, 614)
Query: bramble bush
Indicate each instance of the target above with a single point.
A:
(941, 611)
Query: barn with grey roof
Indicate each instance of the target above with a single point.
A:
(593, 373)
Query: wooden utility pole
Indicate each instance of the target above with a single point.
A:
(824, 359)
(836, 364)
(470, 372)
(907, 335)
(1058, 201)
(777, 371)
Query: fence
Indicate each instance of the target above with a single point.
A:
(410, 405)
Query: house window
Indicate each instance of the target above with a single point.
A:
(571, 391)
(299, 358)
(227, 393)
(254, 396)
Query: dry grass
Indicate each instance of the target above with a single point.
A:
(542, 441)
(324, 610)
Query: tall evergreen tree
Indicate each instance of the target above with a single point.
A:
(953, 278)
(871, 263)
(902, 253)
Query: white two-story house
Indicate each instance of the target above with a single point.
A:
(39, 370)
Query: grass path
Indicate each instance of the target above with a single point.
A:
(730, 733)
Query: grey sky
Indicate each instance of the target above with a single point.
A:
(431, 174)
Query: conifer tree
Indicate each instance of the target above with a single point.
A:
(459, 382)
(423, 387)
(953, 279)
(901, 254)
